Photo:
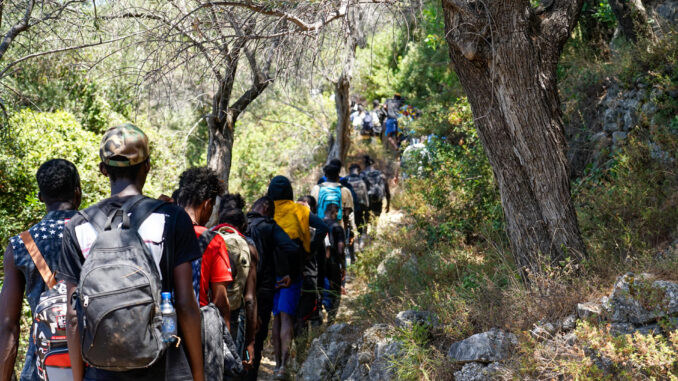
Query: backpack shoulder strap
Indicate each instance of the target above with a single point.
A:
(205, 238)
(42, 266)
(141, 207)
(95, 216)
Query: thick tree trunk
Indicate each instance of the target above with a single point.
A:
(511, 85)
(341, 141)
(632, 19)
(220, 148)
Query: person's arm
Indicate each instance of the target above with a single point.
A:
(11, 298)
(219, 291)
(188, 315)
(73, 336)
(250, 300)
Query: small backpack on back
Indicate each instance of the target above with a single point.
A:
(239, 256)
(329, 194)
(49, 321)
(360, 188)
(118, 296)
(377, 187)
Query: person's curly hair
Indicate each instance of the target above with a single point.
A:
(196, 185)
(231, 211)
(58, 179)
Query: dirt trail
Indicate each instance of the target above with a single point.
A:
(346, 311)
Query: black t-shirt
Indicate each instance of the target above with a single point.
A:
(167, 231)
(336, 235)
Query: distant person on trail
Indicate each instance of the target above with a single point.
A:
(335, 262)
(59, 189)
(362, 201)
(164, 238)
(332, 190)
(378, 188)
(391, 123)
(197, 194)
(242, 292)
(296, 220)
(378, 117)
(275, 248)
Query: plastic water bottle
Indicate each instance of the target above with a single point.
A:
(169, 318)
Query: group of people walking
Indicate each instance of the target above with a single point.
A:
(125, 289)
(381, 120)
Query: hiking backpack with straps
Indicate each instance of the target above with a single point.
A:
(329, 194)
(118, 296)
(49, 322)
(239, 256)
(377, 187)
(360, 188)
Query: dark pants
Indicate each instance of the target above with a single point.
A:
(238, 325)
(332, 296)
(264, 309)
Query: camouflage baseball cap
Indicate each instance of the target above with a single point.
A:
(124, 146)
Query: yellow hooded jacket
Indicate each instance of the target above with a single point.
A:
(293, 218)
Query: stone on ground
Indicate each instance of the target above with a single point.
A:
(490, 346)
(407, 319)
(479, 372)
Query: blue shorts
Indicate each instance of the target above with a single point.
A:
(391, 126)
(287, 299)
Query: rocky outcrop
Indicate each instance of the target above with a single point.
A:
(372, 355)
(604, 120)
(635, 304)
(479, 372)
(328, 354)
(640, 300)
(486, 347)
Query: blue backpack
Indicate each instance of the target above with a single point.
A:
(329, 194)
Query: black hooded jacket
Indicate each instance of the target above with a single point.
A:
(275, 248)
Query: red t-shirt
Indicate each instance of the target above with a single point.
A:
(215, 266)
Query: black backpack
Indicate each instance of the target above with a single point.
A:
(118, 296)
(377, 187)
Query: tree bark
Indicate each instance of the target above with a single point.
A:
(507, 67)
(632, 19)
(341, 141)
(220, 148)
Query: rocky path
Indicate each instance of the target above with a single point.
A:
(346, 311)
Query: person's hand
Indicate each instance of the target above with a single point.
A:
(388, 208)
(248, 356)
(284, 282)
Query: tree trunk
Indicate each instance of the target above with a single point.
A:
(341, 141)
(220, 147)
(508, 71)
(632, 19)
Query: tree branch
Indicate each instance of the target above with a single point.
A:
(62, 50)
(21, 26)
(269, 11)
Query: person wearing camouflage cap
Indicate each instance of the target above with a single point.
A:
(124, 146)
(168, 235)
